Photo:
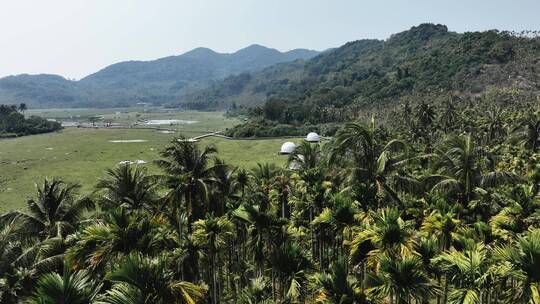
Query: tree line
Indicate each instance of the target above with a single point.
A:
(13, 123)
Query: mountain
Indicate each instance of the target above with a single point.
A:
(157, 81)
(424, 59)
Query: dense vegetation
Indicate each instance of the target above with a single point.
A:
(441, 206)
(158, 81)
(426, 61)
(13, 123)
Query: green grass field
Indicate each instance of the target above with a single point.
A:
(83, 155)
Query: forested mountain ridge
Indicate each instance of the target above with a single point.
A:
(130, 82)
(427, 58)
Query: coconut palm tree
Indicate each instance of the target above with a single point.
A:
(73, 288)
(55, 212)
(129, 187)
(23, 258)
(15, 279)
(150, 280)
(264, 172)
(188, 175)
(306, 156)
(461, 167)
(121, 233)
(372, 162)
(493, 124)
(527, 132)
(22, 108)
(225, 187)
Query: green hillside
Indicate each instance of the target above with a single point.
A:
(158, 81)
(427, 59)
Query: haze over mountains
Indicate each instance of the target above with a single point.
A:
(425, 58)
(159, 81)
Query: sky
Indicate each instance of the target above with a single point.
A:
(74, 38)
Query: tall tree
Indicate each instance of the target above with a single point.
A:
(55, 212)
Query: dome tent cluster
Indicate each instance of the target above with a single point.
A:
(289, 147)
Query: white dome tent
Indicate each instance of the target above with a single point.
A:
(313, 137)
(287, 148)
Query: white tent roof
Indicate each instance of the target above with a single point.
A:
(313, 137)
(287, 148)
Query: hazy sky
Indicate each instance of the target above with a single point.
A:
(74, 38)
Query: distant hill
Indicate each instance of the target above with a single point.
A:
(426, 58)
(159, 81)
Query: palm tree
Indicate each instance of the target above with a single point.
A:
(212, 235)
(188, 175)
(527, 132)
(448, 115)
(338, 286)
(73, 288)
(55, 212)
(371, 162)
(15, 278)
(122, 294)
(242, 178)
(425, 114)
(290, 262)
(151, 280)
(257, 292)
(262, 225)
(400, 279)
(23, 258)
(441, 224)
(524, 261)
(468, 272)
(493, 124)
(461, 167)
(263, 173)
(386, 233)
(225, 187)
(22, 108)
(306, 156)
(520, 213)
(339, 220)
(121, 233)
(129, 187)
(427, 248)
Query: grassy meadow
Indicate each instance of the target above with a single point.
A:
(83, 155)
